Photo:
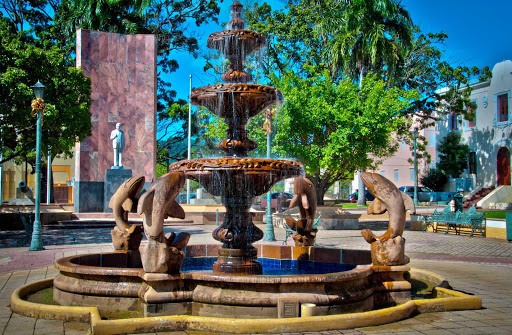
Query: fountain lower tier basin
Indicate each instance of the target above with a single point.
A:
(115, 281)
(233, 177)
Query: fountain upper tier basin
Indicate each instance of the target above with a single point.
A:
(238, 177)
(236, 42)
(236, 103)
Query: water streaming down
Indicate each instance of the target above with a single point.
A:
(236, 178)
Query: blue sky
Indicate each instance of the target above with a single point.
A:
(479, 33)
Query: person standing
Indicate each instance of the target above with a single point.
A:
(117, 137)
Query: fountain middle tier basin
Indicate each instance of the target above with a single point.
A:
(236, 102)
(238, 177)
(116, 281)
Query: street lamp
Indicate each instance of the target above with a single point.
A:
(269, 227)
(189, 130)
(38, 105)
(414, 134)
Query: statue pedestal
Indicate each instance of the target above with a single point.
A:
(113, 179)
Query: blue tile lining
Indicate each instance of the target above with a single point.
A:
(271, 266)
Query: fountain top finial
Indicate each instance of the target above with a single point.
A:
(236, 16)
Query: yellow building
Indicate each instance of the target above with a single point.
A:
(63, 173)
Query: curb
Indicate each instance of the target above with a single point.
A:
(444, 300)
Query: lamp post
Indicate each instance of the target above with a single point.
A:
(49, 178)
(189, 129)
(415, 136)
(269, 227)
(37, 105)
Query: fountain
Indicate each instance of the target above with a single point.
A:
(170, 285)
(236, 178)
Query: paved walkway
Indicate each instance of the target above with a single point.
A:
(475, 265)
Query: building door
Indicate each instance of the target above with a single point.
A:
(503, 165)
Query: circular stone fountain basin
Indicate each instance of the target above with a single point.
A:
(115, 281)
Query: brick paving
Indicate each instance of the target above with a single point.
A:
(475, 265)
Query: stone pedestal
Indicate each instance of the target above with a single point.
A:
(113, 179)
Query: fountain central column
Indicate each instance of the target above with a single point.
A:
(237, 233)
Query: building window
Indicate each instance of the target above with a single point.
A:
(396, 175)
(412, 174)
(472, 111)
(503, 107)
(432, 140)
(472, 162)
(454, 125)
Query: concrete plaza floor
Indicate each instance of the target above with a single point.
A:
(475, 265)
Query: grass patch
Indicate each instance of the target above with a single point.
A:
(121, 314)
(43, 297)
(494, 214)
(353, 205)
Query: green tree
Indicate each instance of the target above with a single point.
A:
(434, 179)
(337, 128)
(168, 19)
(24, 60)
(424, 69)
(453, 154)
(366, 36)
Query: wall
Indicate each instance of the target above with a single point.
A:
(122, 69)
(488, 135)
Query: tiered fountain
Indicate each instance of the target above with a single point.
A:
(149, 282)
(235, 178)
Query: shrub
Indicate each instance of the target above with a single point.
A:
(435, 179)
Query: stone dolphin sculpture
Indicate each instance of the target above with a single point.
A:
(305, 198)
(162, 254)
(387, 198)
(125, 200)
(158, 203)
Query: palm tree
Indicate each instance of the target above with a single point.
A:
(370, 35)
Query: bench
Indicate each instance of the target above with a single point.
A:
(456, 220)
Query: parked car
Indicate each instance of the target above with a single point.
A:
(182, 198)
(423, 192)
(273, 199)
(353, 197)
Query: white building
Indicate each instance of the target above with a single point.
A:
(489, 135)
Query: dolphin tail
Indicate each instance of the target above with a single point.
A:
(408, 203)
(180, 241)
(304, 200)
(145, 202)
(376, 207)
(176, 211)
(294, 202)
(371, 237)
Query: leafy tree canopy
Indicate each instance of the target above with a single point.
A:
(453, 154)
(354, 36)
(23, 61)
(169, 20)
(337, 128)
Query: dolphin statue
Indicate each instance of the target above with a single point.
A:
(387, 198)
(304, 197)
(158, 203)
(125, 200)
